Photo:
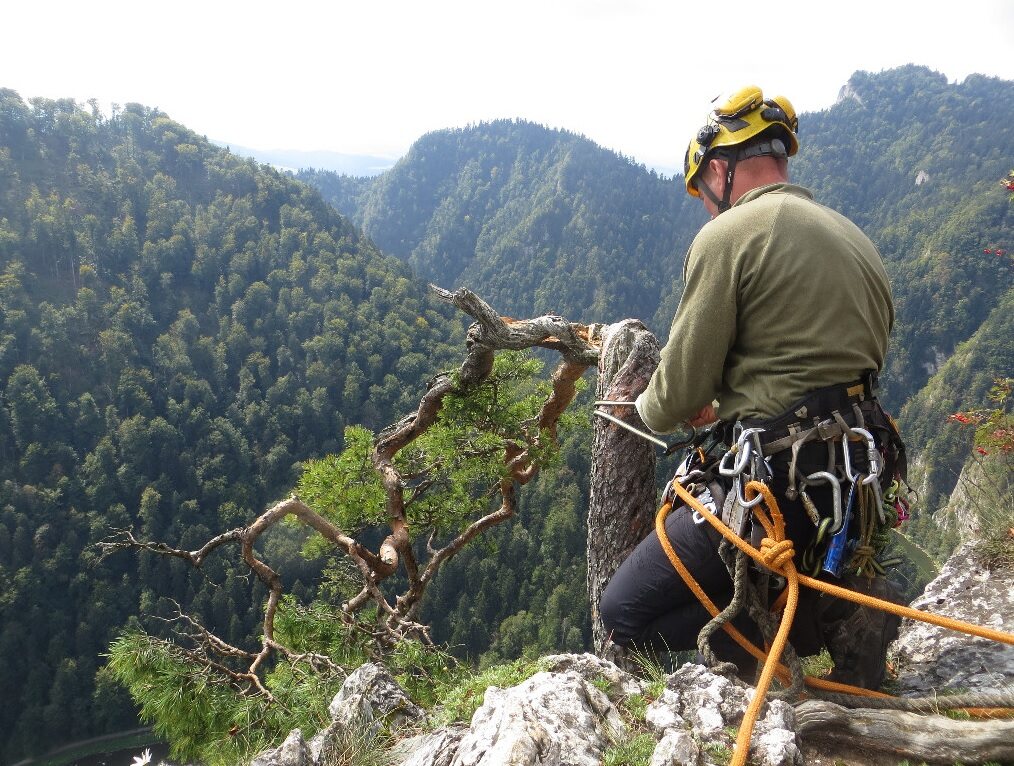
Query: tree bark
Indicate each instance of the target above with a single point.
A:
(622, 503)
(929, 738)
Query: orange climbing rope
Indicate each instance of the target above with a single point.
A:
(776, 554)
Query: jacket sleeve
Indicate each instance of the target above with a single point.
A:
(689, 375)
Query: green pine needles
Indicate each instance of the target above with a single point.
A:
(199, 709)
(344, 487)
(452, 471)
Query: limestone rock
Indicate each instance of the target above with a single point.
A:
(848, 92)
(929, 658)
(975, 488)
(712, 707)
(552, 719)
(661, 715)
(676, 748)
(292, 752)
(590, 667)
(369, 701)
(371, 696)
(433, 749)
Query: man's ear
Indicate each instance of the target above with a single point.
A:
(716, 173)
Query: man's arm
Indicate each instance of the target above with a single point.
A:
(689, 375)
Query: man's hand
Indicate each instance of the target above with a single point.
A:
(704, 417)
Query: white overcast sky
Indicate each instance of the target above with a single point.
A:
(370, 77)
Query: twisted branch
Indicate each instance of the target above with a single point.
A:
(579, 348)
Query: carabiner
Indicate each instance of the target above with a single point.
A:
(746, 433)
(742, 451)
(742, 499)
(679, 444)
(740, 457)
(831, 479)
(872, 455)
(852, 477)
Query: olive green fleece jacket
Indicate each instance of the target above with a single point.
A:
(783, 296)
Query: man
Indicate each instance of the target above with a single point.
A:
(783, 298)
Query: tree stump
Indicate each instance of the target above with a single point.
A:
(622, 504)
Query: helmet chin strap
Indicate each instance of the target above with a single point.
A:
(730, 175)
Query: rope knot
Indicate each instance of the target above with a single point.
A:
(776, 553)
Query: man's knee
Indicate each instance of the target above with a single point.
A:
(615, 615)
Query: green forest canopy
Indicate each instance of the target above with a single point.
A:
(179, 329)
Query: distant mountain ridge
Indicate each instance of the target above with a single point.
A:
(359, 165)
(537, 220)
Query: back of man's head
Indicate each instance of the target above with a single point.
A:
(743, 128)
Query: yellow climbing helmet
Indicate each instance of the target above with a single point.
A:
(744, 116)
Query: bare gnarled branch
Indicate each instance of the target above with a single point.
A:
(579, 347)
(577, 343)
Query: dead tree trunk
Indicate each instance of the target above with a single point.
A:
(931, 738)
(622, 504)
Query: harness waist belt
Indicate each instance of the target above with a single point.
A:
(813, 416)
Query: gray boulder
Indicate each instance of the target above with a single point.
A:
(929, 659)
(370, 695)
(591, 668)
(292, 752)
(677, 748)
(552, 719)
(369, 702)
(434, 749)
(708, 709)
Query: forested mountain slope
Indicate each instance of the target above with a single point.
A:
(536, 220)
(916, 161)
(179, 328)
(962, 382)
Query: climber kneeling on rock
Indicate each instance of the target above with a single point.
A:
(776, 345)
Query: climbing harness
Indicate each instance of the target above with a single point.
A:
(855, 534)
(775, 554)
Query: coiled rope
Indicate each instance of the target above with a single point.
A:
(776, 554)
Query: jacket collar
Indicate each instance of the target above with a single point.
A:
(782, 188)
